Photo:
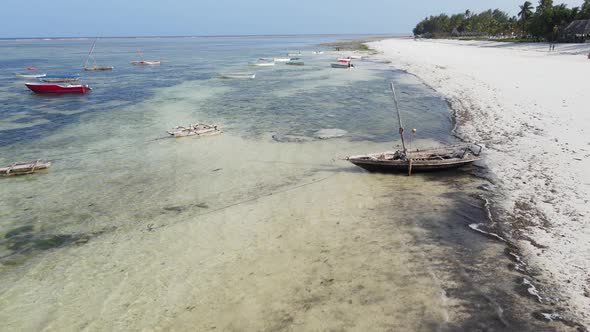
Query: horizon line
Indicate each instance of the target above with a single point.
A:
(205, 36)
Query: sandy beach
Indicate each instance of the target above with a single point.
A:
(529, 107)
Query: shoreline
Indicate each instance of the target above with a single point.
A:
(537, 203)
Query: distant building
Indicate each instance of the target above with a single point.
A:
(576, 32)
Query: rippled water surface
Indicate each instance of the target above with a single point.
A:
(261, 228)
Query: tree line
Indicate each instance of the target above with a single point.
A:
(541, 23)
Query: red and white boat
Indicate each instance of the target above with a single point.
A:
(58, 88)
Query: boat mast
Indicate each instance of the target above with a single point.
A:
(399, 118)
(90, 54)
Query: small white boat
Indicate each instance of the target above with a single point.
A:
(145, 63)
(238, 75)
(294, 54)
(24, 167)
(318, 52)
(357, 57)
(195, 129)
(263, 64)
(30, 75)
(281, 59)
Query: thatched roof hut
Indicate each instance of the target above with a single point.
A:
(577, 31)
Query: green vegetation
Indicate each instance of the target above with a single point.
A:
(541, 23)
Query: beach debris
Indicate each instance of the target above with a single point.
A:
(531, 289)
(195, 129)
(24, 167)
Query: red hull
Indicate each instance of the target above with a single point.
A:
(57, 88)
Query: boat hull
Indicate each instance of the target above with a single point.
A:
(60, 80)
(99, 68)
(30, 75)
(238, 76)
(24, 168)
(340, 65)
(57, 88)
(145, 63)
(395, 166)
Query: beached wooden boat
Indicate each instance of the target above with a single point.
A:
(293, 62)
(94, 66)
(24, 167)
(238, 75)
(195, 129)
(60, 78)
(419, 160)
(58, 88)
(30, 75)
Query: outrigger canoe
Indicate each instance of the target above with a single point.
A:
(24, 167)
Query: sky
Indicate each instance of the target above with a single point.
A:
(119, 18)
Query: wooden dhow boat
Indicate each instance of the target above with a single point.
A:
(94, 66)
(58, 88)
(24, 167)
(143, 62)
(195, 129)
(446, 157)
(146, 63)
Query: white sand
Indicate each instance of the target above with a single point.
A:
(532, 110)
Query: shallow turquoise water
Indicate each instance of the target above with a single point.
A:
(133, 230)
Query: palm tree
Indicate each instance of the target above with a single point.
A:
(526, 10)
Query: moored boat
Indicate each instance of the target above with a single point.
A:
(295, 54)
(145, 63)
(263, 64)
(24, 167)
(342, 65)
(293, 62)
(281, 59)
(418, 160)
(60, 78)
(58, 88)
(94, 67)
(237, 75)
(195, 129)
(432, 159)
(30, 75)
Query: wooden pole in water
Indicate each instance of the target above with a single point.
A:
(399, 118)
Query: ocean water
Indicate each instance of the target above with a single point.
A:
(264, 227)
